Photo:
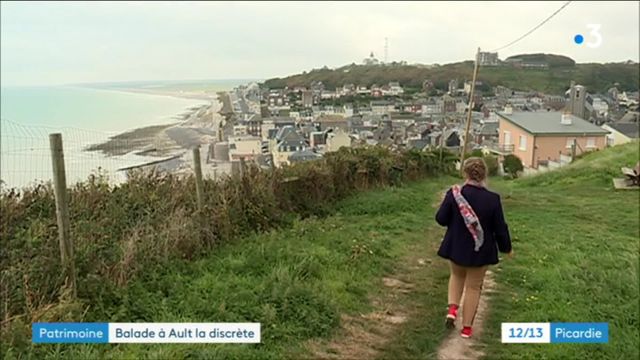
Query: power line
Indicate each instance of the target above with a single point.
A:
(534, 29)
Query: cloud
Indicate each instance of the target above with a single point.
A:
(51, 43)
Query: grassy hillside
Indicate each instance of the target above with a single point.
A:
(576, 242)
(576, 260)
(551, 59)
(125, 236)
(596, 77)
(298, 282)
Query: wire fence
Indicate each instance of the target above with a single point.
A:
(107, 235)
(25, 153)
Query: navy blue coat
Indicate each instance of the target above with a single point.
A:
(458, 244)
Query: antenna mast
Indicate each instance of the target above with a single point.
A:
(386, 50)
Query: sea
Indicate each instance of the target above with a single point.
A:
(84, 116)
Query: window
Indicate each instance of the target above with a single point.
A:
(591, 142)
(610, 141)
(523, 143)
(570, 142)
(507, 137)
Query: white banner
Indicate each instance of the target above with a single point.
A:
(526, 333)
(165, 333)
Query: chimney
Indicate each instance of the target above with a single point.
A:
(566, 119)
(508, 110)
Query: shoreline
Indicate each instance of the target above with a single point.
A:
(129, 141)
(196, 125)
(171, 93)
(132, 145)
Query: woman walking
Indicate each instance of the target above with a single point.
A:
(476, 231)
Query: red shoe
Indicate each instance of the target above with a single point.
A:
(466, 332)
(452, 314)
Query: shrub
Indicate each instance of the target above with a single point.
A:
(512, 165)
(492, 165)
(476, 153)
(120, 230)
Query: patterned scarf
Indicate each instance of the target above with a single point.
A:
(470, 218)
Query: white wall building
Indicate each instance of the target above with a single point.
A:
(247, 147)
(336, 140)
(395, 89)
(239, 130)
(617, 135)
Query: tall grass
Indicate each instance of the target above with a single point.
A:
(576, 242)
(152, 218)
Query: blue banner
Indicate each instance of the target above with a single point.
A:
(579, 332)
(73, 333)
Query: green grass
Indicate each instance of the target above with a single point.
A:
(576, 258)
(296, 282)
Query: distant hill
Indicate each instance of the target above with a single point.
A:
(554, 61)
(555, 80)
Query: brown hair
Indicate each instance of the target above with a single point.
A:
(475, 169)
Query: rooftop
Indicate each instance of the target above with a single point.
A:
(304, 155)
(548, 123)
(330, 118)
(629, 129)
(490, 128)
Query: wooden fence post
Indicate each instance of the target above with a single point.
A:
(62, 209)
(243, 167)
(197, 167)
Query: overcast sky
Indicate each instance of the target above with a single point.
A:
(56, 43)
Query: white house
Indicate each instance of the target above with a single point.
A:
(381, 107)
(625, 100)
(600, 106)
(286, 142)
(347, 89)
(395, 89)
(265, 127)
(348, 110)
(295, 114)
(239, 130)
(621, 133)
(432, 108)
(325, 110)
(337, 139)
(329, 95)
(247, 147)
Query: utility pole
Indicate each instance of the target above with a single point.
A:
(468, 125)
(444, 130)
(386, 50)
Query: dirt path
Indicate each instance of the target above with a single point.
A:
(364, 336)
(455, 347)
(406, 320)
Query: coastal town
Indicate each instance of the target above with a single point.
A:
(278, 126)
(309, 180)
(274, 127)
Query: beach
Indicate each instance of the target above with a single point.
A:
(122, 129)
(196, 127)
(110, 130)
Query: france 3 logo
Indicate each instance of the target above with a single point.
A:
(594, 36)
